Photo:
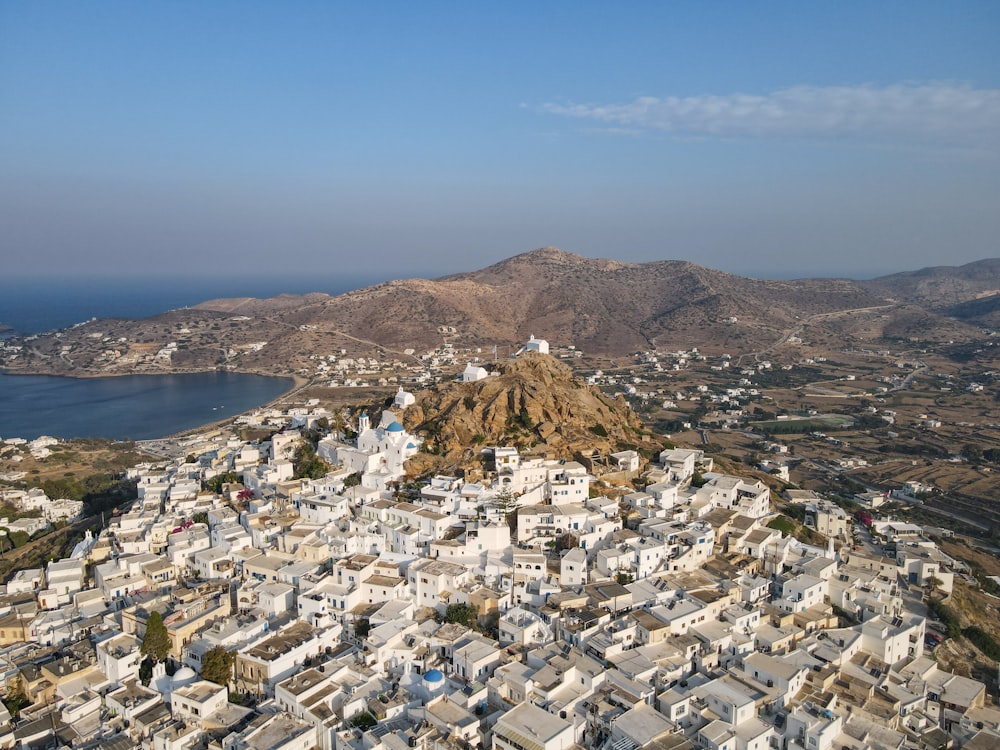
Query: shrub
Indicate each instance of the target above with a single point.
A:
(782, 524)
(463, 614)
(984, 642)
(599, 430)
(364, 721)
(947, 616)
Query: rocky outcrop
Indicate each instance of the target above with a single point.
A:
(534, 402)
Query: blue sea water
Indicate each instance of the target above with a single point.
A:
(35, 305)
(138, 407)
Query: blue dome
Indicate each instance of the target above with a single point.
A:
(434, 675)
(410, 445)
(394, 427)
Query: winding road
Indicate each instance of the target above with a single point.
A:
(797, 328)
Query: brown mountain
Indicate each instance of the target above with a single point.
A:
(941, 287)
(600, 306)
(969, 293)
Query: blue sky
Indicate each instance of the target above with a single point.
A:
(768, 139)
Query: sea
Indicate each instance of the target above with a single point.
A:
(35, 305)
(131, 407)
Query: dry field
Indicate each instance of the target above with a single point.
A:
(74, 458)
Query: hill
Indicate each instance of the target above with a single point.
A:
(941, 287)
(602, 307)
(534, 402)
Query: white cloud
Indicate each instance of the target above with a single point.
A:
(939, 112)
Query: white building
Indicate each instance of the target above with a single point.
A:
(537, 345)
(473, 373)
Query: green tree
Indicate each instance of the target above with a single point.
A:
(200, 517)
(156, 642)
(217, 666)
(17, 696)
(463, 614)
(972, 453)
(146, 671)
(504, 501)
(216, 482)
(308, 465)
(352, 480)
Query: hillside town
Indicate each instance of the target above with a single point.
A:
(539, 606)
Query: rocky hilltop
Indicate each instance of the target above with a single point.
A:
(534, 402)
(602, 307)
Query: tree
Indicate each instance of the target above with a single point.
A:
(17, 696)
(200, 517)
(215, 483)
(567, 541)
(156, 642)
(504, 501)
(463, 614)
(308, 465)
(217, 666)
(352, 480)
(146, 671)
(972, 453)
(933, 584)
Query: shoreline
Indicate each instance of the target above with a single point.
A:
(297, 384)
(89, 375)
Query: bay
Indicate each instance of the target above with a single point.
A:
(137, 407)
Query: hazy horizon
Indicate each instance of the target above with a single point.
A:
(320, 282)
(397, 141)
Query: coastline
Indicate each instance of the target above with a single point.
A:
(298, 383)
(89, 374)
(295, 384)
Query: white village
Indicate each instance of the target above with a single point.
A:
(517, 610)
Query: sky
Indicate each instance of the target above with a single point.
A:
(392, 140)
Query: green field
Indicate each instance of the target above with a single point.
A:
(810, 424)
